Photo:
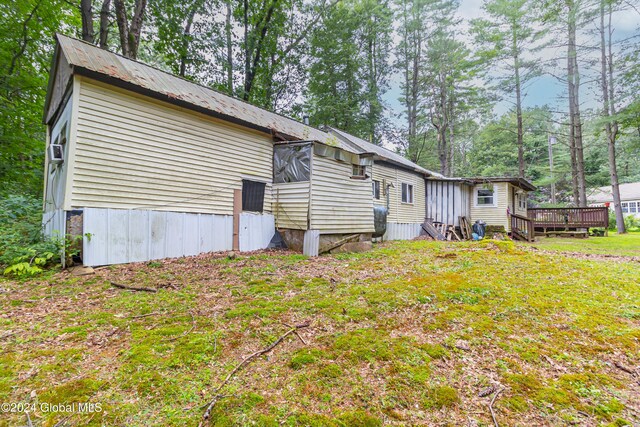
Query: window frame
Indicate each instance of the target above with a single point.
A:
(409, 193)
(625, 207)
(358, 171)
(375, 188)
(493, 196)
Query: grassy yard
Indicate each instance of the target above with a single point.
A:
(615, 244)
(412, 333)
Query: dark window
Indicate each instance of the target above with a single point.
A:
(407, 193)
(252, 195)
(376, 189)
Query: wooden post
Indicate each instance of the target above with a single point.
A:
(237, 208)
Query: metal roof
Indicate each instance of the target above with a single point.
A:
(114, 68)
(629, 191)
(381, 152)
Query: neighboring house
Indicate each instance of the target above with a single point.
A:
(397, 183)
(147, 165)
(629, 198)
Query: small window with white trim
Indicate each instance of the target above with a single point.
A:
(359, 171)
(625, 207)
(633, 208)
(485, 197)
(407, 193)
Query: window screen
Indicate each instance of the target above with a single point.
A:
(252, 195)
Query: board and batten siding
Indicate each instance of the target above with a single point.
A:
(447, 201)
(492, 215)
(133, 152)
(339, 204)
(401, 213)
(290, 205)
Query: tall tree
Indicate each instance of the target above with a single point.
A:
(573, 8)
(609, 104)
(350, 69)
(28, 28)
(508, 36)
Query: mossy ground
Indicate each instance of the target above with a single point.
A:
(382, 348)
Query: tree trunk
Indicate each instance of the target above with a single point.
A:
(104, 23)
(87, 20)
(184, 56)
(574, 108)
(520, 137)
(611, 127)
(229, 64)
(130, 32)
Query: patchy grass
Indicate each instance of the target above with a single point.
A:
(615, 244)
(383, 346)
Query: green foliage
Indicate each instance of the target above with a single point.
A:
(23, 249)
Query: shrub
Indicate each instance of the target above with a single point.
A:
(24, 251)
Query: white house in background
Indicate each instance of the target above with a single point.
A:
(629, 197)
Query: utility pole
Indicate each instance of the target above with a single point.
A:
(552, 140)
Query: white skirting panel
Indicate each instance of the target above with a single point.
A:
(256, 231)
(54, 223)
(311, 244)
(120, 236)
(396, 231)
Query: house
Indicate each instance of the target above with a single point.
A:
(629, 198)
(412, 193)
(144, 165)
(397, 184)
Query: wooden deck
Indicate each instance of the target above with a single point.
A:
(567, 219)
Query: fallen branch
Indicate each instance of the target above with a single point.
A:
(244, 363)
(133, 288)
(623, 368)
(493, 415)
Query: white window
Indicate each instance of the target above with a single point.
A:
(485, 197)
(376, 189)
(625, 207)
(522, 200)
(632, 207)
(407, 193)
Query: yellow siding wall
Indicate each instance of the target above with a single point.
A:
(400, 212)
(290, 202)
(135, 152)
(339, 204)
(492, 215)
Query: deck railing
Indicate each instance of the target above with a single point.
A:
(569, 218)
(522, 228)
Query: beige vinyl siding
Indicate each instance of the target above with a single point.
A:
(135, 152)
(339, 204)
(492, 215)
(290, 201)
(400, 212)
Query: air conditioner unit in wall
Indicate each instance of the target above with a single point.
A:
(55, 154)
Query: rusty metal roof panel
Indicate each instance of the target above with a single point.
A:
(382, 152)
(86, 56)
